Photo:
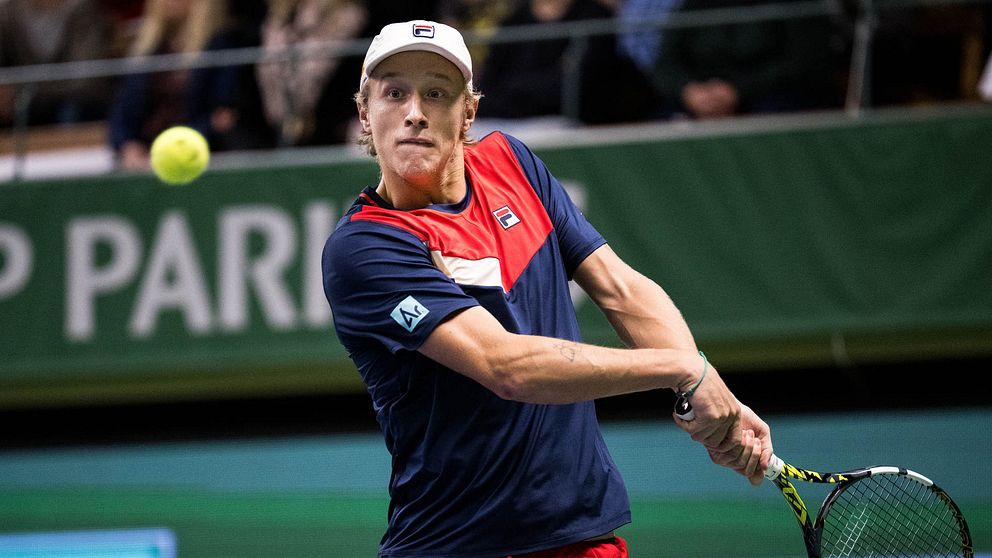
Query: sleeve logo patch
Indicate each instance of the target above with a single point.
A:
(506, 217)
(408, 313)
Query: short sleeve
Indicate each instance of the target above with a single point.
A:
(382, 286)
(577, 238)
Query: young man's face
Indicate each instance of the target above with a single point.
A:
(416, 114)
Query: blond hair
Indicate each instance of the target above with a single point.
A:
(204, 19)
(364, 139)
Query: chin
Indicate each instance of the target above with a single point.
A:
(417, 174)
(420, 167)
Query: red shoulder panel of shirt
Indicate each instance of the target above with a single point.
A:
(504, 218)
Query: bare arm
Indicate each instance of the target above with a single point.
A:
(639, 310)
(539, 369)
(644, 315)
(546, 370)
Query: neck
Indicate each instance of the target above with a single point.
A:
(417, 191)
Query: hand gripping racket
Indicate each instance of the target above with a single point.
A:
(877, 511)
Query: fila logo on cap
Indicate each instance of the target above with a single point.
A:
(506, 217)
(423, 31)
(408, 313)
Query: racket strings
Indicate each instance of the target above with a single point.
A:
(888, 516)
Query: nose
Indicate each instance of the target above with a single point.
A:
(415, 114)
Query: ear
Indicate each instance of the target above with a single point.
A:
(471, 109)
(363, 116)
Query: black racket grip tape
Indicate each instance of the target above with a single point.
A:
(683, 409)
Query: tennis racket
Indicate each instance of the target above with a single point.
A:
(876, 511)
(882, 512)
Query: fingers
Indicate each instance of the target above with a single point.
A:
(750, 420)
(745, 459)
(738, 457)
(752, 468)
(728, 438)
(720, 434)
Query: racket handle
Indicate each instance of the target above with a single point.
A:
(775, 466)
(683, 409)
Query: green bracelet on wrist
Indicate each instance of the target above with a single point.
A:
(692, 390)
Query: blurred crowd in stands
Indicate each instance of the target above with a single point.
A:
(919, 55)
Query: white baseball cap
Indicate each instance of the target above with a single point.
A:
(418, 35)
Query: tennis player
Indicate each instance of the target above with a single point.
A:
(448, 282)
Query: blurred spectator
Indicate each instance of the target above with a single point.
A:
(225, 100)
(309, 100)
(384, 13)
(643, 46)
(475, 15)
(125, 19)
(754, 67)
(482, 17)
(53, 31)
(925, 55)
(148, 103)
(527, 79)
(985, 83)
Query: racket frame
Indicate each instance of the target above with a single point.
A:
(780, 472)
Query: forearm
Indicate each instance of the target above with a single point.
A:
(545, 370)
(644, 316)
(640, 311)
(538, 369)
(647, 317)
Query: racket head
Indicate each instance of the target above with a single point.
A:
(890, 511)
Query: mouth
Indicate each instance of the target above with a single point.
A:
(422, 142)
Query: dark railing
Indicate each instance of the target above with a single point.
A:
(862, 17)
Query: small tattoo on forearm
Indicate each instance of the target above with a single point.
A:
(568, 350)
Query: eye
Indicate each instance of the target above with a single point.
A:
(435, 94)
(394, 93)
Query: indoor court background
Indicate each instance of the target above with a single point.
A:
(324, 496)
(262, 443)
(169, 372)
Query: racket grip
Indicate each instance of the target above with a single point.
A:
(683, 409)
(775, 466)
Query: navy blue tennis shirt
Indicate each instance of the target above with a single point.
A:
(473, 475)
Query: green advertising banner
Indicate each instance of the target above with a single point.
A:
(210, 287)
(814, 242)
(830, 242)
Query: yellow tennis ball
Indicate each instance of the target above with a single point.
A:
(179, 155)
